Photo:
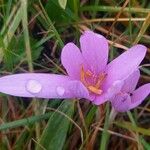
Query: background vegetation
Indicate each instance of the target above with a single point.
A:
(32, 34)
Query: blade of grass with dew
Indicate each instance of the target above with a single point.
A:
(55, 133)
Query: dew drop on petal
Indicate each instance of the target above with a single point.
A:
(33, 86)
(60, 91)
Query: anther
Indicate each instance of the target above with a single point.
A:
(95, 90)
(100, 79)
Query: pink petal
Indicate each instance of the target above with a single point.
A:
(113, 90)
(131, 82)
(124, 65)
(95, 50)
(121, 102)
(42, 86)
(100, 99)
(72, 60)
(139, 95)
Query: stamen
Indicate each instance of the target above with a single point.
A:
(82, 76)
(95, 85)
(95, 90)
(100, 79)
(89, 73)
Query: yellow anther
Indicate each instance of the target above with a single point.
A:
(95, 90)
(93, 83)
(82, 76)
(100, 79)
(88, 73)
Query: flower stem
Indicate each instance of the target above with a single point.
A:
(112, 116)
(108, 122)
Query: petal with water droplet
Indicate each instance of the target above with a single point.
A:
(33, 86)
(60, 90)
(42, 86)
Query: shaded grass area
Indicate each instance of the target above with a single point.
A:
(32, 35)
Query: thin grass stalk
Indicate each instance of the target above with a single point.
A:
(29, 58)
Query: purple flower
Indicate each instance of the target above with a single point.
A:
(129, 98)
(89, 76)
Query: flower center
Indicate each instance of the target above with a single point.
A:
(91, 81)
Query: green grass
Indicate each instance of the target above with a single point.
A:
(32, 36)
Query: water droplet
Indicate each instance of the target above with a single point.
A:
(60, 91)
(33, 86)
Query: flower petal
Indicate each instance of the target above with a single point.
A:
(72, 60)
(139, 95)
(113, 90)
(100, 99)
(124, 65)
(121, 102)
(95, 50)
(42, 86)
(131, 82)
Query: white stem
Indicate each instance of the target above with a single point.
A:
(112, 115)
